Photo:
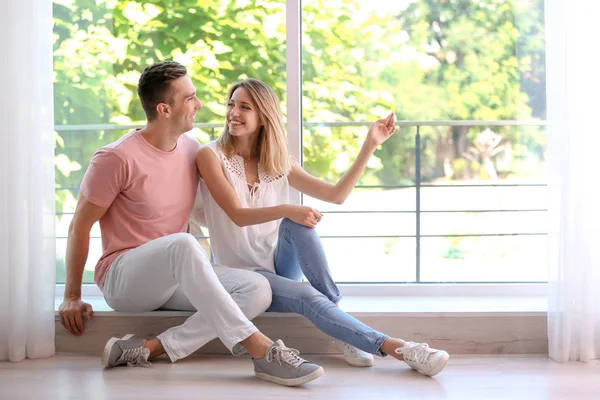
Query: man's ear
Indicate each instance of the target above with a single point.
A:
(163, 109)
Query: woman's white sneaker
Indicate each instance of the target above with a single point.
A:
(421, 357)
(352, 355)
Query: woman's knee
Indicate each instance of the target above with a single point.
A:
(296, 228)
(288, 223)
(301, 293)
(314, 302)
(308, 293)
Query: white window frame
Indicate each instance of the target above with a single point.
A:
(401, 290)
(294, 129)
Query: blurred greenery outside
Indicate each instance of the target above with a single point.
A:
(426, 60)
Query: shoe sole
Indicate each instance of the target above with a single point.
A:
(108, 348)
(440, 366)
(360, 363)
(291, 382)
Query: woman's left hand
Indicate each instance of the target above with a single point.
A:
(382, 130)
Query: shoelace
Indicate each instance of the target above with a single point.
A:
(286, 355)
(418, 352)
(353, 350)
(135, 357)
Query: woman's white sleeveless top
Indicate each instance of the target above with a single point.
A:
(249, 247)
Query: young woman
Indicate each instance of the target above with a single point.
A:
(245, 179)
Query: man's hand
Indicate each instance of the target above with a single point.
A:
(71, 311)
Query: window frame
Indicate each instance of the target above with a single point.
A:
(294, 129)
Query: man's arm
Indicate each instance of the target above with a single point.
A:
(78, 242)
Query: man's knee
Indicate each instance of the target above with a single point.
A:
(261, 295)
(183, 240)
(186, 252)
(183, 243)
(252, 293)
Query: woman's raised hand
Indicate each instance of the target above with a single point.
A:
(382, 130)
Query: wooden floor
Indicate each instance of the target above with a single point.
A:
(227, 377)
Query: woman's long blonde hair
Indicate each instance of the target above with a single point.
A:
(272, 141)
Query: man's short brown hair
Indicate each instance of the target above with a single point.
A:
(154, 85)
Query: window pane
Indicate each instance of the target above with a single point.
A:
(371, 259)
(94, 255)
(484, 259)
(328, 152)
(457, 197)
(370, 199)
(488, 223)
(480, 155)
(100, 49)
(367, 224)
(431, 61)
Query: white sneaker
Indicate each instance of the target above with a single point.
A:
(422, 358)
(352, 355)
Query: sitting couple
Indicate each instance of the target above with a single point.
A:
(142, 189)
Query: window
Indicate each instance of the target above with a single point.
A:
(99, 51)
(442, 201)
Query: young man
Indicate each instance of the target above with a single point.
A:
(142, 189)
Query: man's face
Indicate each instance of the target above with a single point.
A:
(184, 104)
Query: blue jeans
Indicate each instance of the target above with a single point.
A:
(300, 252)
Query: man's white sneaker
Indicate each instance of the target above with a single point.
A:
(424, 359)
(352, 355)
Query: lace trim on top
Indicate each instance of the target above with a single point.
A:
(235, 165)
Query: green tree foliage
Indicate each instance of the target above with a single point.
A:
(428, 60)
(484, 53)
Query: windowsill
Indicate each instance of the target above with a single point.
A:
(405, 306)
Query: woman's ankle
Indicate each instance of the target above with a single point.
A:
(390, 345)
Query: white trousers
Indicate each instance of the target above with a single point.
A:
(174, 272)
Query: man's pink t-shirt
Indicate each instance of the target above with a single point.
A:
(149, 193)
